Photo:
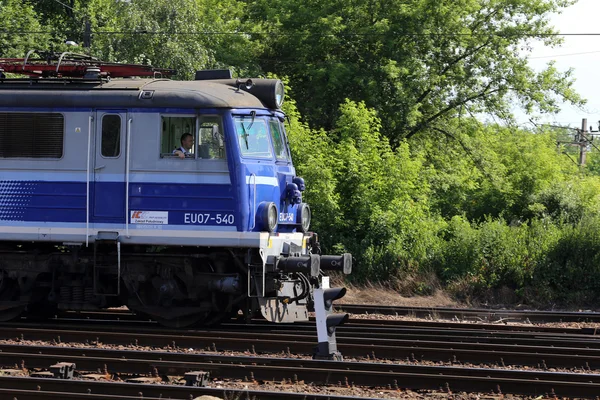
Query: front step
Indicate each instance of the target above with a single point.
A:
(104, 243)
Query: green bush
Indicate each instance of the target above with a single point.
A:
(569, 272)
(492, 251)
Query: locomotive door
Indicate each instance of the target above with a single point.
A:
(109, 166)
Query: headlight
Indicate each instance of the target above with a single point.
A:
(279, 93)
(272, 217)
(270, 92)
(303, 217)
(267, 216)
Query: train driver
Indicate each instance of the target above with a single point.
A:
(187, 143)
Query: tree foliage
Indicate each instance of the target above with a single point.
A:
(417, 62)
(490, 170)
(20, 29)
(186, 35)
(368, 198)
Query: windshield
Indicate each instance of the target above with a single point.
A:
(253, 137)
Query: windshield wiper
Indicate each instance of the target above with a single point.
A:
(253, 113)
(245, 135)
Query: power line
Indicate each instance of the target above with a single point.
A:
(303, 33)
(565, 55)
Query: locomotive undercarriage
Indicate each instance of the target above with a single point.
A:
(177, 287)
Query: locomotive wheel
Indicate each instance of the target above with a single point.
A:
(10, 306)
(188, 292)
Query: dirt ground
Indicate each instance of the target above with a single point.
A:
(383, 296)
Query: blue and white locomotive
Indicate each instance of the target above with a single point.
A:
(97, 209)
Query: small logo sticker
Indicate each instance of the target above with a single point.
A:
(150, 217)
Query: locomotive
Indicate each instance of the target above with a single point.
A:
(102, 205)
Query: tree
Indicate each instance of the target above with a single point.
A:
(494, 171)
(417, 62)
(20, 30)
(367, 198)
(186, 35)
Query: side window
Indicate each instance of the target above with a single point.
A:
(172, 131)
(31, 135)
(111, 136)
(278, 140)
(253, 137)
(210, 138)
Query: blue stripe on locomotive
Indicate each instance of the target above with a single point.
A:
(52, 201)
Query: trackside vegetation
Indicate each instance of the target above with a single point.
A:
(401, 122)
(499, 215)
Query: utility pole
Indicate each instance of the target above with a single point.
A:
(582, 140)
(87, 34)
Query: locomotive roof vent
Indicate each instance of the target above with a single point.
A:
(211, 74)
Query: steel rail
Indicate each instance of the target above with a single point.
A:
(456, 339)
(319, 372)
(125, 317)
(238, 367)
(144, 391)
(354, 327)
(35, 394)
(476, 326)
(479, 314)
(351, 347)
(529, 343)
(472, 313)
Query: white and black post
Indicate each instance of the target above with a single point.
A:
(327, 322)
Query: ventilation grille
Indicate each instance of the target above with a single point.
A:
(31, 135)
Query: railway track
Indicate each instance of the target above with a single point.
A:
(456, 345)
(473, 314)
(124, 317)
(122, 363)
(476, 346)
(436, 315)
(26, 388)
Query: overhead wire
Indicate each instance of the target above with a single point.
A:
(565, 55)
(303, 33)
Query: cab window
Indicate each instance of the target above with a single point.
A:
(253, 137)
(278, 139)
(210, 138)
(172, 129)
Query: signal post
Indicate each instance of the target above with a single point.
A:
(327, 322)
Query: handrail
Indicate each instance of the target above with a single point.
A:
(30, 52)
(87, 183)
(60, 59)
(127, 178)
(253, 211)
(253, 214)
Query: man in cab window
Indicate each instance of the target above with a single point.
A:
(187, 142)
